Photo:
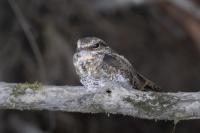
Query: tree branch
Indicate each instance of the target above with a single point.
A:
(111, 99)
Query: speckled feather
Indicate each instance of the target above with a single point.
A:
(96, 63)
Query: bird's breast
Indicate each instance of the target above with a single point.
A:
(86, 63)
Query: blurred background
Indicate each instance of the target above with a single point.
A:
(38, 38)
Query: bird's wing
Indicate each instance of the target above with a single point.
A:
(117, 63)
(136, 79)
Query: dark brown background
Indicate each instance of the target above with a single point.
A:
(162, 41)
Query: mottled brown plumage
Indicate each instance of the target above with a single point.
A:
(96, 63)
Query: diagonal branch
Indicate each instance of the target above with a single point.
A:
(111, 99)
(32, 41)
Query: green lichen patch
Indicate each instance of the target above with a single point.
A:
(20, 88)
(152, 104)
(180, 115)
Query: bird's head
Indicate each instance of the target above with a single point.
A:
(91, 44)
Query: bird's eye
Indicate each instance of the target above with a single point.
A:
(95, 46)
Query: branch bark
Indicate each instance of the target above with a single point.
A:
(112, 99)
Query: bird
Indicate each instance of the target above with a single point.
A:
(96, 64)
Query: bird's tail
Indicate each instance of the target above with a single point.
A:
(144, 84)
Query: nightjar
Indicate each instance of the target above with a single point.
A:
(96, 63)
